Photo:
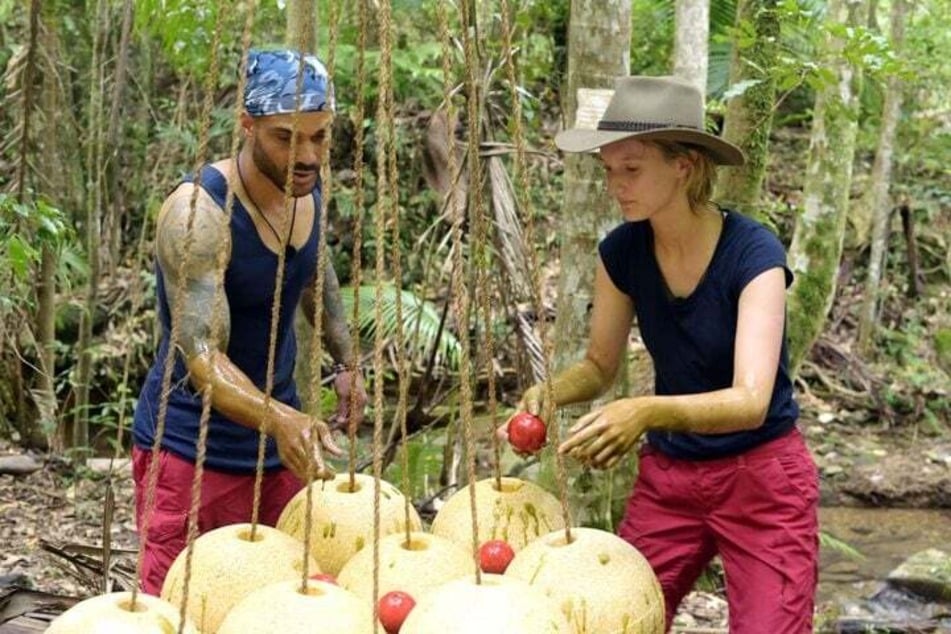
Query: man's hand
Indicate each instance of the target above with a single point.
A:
(351, 399)
(299, 443)
(602, 437)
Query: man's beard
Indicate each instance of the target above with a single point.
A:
(275, 174)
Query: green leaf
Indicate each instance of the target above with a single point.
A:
(20, 256)
(420, 323)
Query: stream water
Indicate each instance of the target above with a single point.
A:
(885, 537)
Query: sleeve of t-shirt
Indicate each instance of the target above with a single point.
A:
(763, 252)
(614, 249)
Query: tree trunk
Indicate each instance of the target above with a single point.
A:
(598, 51)
(691, 42)
(113, 223)
(877, 199)
(301, 32)
(79, 436)
(817, 241)
(749, 116)
(30, 428)
(911, 243)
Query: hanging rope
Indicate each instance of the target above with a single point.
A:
(323, 258)
(289, 205)
(178, 307)
(524, 203)
(402, 362)
(384, 202)
(482, 262)
(221, 264)
(358, 203)
(459, 271)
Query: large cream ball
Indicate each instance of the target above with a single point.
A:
(227, 565)
(500, 605)
(602, 583)
(286, 608)
(415, 566)
(342, 517)
(517, 513)
(115, 613)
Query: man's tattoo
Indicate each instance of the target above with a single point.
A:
(336, 327)
(189, 263)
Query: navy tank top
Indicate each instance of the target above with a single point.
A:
(249, 286)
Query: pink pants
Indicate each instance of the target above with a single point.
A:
(225, 499)
(758, 511)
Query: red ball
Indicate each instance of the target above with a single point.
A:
(395, 606)
(495, 556)
(527, 432)
(322, 576)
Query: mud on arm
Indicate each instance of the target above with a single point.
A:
(188, 258)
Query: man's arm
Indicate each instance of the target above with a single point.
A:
(188, 259)
(348, 383)
(334, 326)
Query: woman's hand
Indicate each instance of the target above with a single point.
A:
(531, 402)
(602, 437)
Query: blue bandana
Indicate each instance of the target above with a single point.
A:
(272, 84)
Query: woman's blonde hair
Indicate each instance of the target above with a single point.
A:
(703, 175)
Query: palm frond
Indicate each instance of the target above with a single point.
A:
(420, 322)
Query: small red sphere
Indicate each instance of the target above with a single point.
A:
(395, 606)
(322, 576)
(495, 556)
(527, 432)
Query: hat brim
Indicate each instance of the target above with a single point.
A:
(580, 140)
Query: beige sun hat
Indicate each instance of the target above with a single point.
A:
(651, 108)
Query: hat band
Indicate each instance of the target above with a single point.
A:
(639, 126)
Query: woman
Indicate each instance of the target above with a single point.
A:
(723, 471)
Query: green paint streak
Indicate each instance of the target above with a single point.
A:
(538, 569)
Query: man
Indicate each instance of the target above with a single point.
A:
(224, 338)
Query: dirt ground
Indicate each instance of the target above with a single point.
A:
(56, 508)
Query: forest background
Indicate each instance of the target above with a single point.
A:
(844, 105)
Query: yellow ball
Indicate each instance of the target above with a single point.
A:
(602, 583)
(284, 609)
(342, 519)
(227, 566)
(115, 614)
(518, 513)
(500, 605)
(425, 563)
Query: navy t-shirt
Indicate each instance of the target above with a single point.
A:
(691, 339)
(250, 288)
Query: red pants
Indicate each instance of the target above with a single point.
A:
(225, 499)
(758, 511)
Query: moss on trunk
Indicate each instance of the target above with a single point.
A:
(749, 117)
(817, 242)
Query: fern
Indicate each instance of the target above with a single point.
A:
(835, 544)
(420, 324)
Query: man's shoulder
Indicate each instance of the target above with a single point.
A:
(178, 205)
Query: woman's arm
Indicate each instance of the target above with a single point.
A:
(609, 326)
(606, 434)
